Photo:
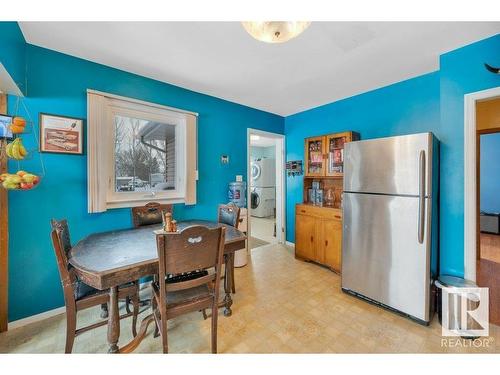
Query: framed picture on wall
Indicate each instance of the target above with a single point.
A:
(61, 134)
(5, 122)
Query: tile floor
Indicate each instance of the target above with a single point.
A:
(263, 228)
(282, 305)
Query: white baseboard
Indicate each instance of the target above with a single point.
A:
(49, 314)
(291, 244)
(36, 318)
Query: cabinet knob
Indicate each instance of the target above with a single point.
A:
(303, 211)
(336, 216)
(326, 242)
(312, 238)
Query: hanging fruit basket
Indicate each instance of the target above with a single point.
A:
(21, 148)
(21, 180)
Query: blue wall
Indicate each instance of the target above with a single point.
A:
(462, 72)
(490, 173)
(433, 102)
(58, 84)
(407, 107)
(13, 52)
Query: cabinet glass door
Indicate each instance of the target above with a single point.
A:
(314, 156)
(335, 153)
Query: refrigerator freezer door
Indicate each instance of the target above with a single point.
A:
(382, 258)
(388, 165)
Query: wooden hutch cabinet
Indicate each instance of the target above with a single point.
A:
(318, 221)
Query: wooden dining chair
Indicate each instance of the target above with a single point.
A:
(78, 295)
(229, 214)
(149, 214)
(179, 253)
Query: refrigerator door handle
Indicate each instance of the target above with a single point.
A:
(421, 196)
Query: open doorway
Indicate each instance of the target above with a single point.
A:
(488, 201)
(265, 200)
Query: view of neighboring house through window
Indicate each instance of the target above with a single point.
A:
(144, 155)
(139, 152)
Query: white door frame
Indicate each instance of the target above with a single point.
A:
(470, 183)
(280, 181)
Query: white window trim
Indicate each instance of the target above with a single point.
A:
(101, 108)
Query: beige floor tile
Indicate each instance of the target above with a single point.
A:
(281, 305)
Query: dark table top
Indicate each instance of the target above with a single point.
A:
(110, 251)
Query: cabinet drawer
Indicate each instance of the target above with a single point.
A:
(320, 212)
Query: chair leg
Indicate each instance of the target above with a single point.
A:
(157, 332)
(70, 329)
(127, 304)
(204, 312)
(233, 285)
(215, 315)
(104, 311)
(135, 304)
(153, 309)
(164, 335)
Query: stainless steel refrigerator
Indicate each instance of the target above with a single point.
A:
(390, 222)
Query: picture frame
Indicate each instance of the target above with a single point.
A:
(5, 122)
(61, 134)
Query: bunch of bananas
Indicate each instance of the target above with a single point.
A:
(16, 150)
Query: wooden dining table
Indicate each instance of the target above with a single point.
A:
(109, 259)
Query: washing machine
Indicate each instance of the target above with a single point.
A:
(262, 201)
(263, 172)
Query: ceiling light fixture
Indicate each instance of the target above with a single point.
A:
(275, 31)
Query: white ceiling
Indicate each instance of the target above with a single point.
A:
(328, 62)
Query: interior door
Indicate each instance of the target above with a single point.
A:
(305, 236)
(382, 257)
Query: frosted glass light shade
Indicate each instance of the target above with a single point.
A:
(275, 31)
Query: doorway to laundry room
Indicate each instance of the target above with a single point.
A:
(265, 188)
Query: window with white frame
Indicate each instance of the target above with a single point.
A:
(139, 152)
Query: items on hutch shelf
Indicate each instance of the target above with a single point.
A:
(315, 194)
(314, 154)
(325, 154)
(294, 168)
(330, 197)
